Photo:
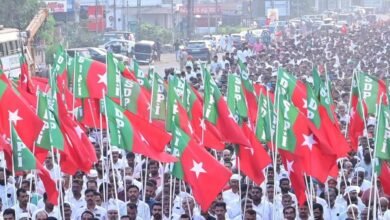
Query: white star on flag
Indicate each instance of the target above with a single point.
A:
(79, 131)
(143, 139)
(290, 166)
(14, 116)
(250, 149)
(103, 78)
(197, 168)
(309, 141)
(304, 103)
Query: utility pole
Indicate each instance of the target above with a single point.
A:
(173, 22)
(96, 18)
(115, 15)
(138, 19)
(190, 18)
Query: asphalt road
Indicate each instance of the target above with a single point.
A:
(167, 61)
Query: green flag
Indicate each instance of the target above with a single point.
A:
(287, 115)
(141, 76)
(114, 69)
(265, 125)
(158, 102)
(120, 128)
(235, 97)
(179, 142)
(172, 105)
(50, 135)
(382, 137)
(23, 158)
(131, 92)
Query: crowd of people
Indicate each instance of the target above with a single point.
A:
(134, 187)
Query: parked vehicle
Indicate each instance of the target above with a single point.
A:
(145, 51)
(117, 35)
(123, 47)
(95, 53)
(200, 49)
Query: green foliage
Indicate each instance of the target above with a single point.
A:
(79, 36)
(230, 29)
(154, 33)
(17, 13)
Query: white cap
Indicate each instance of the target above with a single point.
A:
(350, 189)
(360, 169)
(235, 177)
(91, 139)
(111, 207)
(92, 173)
(283, 176)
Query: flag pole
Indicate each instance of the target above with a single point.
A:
(112, 162)
(101, 150)
(187, 202)
(171, 191)
(146, 178)
(374, 174)
(13, 165)
(309, 195)
(74, 82)
(349, 106)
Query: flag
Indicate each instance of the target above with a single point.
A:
(24, 76)
(50, 135)
(358, 113)
(16, 110)
(91, 115)
(90, 78)
(135, 99)
(384, 176)
(235, 97)
(294, 135)
(249, 91)
(293, 166)
(158, 102)
(217, 113)
(370, 89)
(253, 159)
(124, 135)
(382, 135)
(265, 120)
(192, 102)
(197, 167)
(176, 114)
(24, 160)
(142, 78)
(114, 69)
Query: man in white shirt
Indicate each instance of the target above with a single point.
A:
(23, 206)
(75, 198)
(7, 191)
(143, 209)
(262, 207)
(232, 195)
(49, 209)
(98, 212)
(332, 210)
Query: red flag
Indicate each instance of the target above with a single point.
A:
(384, 177)
(49, 184)
(253, 159)
(199, 168)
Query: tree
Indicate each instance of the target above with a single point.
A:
(18, 14)
(154, 33)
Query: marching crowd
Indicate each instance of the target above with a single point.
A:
(134, 187)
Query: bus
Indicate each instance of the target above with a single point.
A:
(10, 51)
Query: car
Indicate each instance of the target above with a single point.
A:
(118, 35)
(95, 53)
(200, 49)
(123, 47)
(238, 40)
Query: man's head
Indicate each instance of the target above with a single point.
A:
(157, 211)
(353, 211)
(133, 193)
(130, 157)
(331, 194)
(112, 213)
(304, 211)
(132, 210)
(115, 154)
(87, 215)
(22, 197)
(220, 210)
(289, 213)
(284, 185)
(67, 211)
(250, 214)
(9, 214)
(89, 195)
(188, 205)
(384, 204)
(256, 194)
(76, 186)
(153, 168)
(92, 184)
(48, 204)
(234, 182)
(318, 211)
(270, 192)
(150, 190)
(41, 215)
(286, 200)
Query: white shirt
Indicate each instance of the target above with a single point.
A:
(76, 204)
(98, 212)
(7, 193)
(116, 202)
(386, 216)
(334, 213)
(143, 210)
(230, 197)
(264, 209)
(55, 213)
(18, 211)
